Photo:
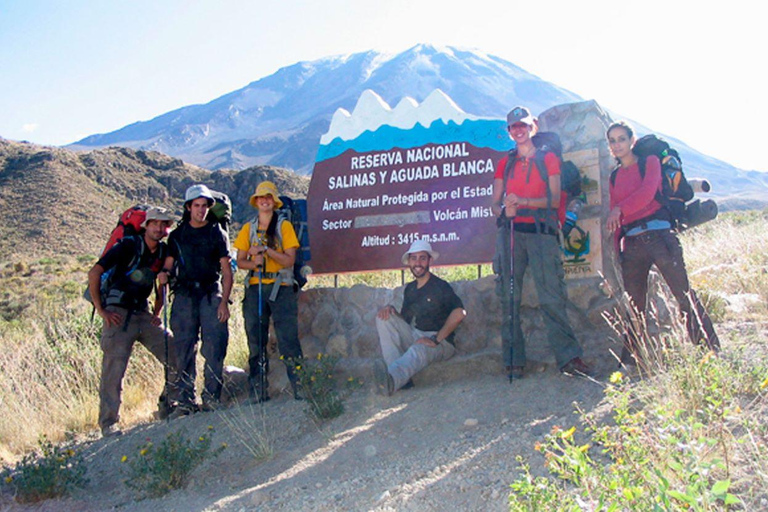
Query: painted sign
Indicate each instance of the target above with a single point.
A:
(386, 177)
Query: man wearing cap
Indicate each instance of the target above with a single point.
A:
(136, 261)
(202, 281)
(422, 333)
(534, 204)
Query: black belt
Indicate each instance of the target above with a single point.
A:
(533, 227)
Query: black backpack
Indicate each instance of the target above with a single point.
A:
(675, 191)
(295, 212)
(219, 213)
(570, 176)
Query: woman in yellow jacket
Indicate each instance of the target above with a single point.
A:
(266, 247)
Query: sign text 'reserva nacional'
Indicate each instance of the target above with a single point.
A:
(386, 177)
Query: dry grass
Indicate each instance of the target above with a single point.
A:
(728, 262)
(50, 357)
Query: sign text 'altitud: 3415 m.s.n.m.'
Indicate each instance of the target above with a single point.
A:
(381, 191)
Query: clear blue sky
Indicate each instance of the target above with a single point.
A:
(74, 68)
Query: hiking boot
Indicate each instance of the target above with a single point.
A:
(182, 410)
(297, 393)
(257, 399)
(408, 385)
(576, 368)
(385, 385)
(210, 406)
(516, 373)
(111, 431)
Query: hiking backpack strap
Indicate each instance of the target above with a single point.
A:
(543, 216)
(254, 239)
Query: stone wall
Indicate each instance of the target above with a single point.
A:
(341, 321)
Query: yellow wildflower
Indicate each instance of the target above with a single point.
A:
(201, 438)
(584, 448)
(568, 433)
(319, 356)
(764, 384)
(8, 479)
(125, 458)
(351, 379)
(616, 377)
(537, 446)
(224, 445)
(210, 427)
(143, 452)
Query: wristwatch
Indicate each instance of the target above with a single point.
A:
(434, 338)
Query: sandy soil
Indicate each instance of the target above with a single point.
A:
(448, 443)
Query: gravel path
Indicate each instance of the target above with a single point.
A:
(442, 445)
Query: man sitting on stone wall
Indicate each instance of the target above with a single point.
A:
(423, 332)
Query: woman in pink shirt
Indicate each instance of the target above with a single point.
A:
(645, 237)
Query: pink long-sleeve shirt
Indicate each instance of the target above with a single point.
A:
(635, 195)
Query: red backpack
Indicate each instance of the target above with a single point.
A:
(128, 225)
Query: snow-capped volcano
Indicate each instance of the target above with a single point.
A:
(279, 119)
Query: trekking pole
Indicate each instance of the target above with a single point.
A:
(166, 293)
(262, 346)
(504, 224)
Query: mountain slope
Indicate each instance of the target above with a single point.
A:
(279, 119)
(61, 202)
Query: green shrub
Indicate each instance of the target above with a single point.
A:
(671, 443)
(157, 470)
(55, 472)
(319, 387)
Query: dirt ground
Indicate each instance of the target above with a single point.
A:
(448, 443)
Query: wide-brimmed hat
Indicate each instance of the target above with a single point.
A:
(266, 188)
(520, 115)
(419, 246)
(157, 213)
(198, 191)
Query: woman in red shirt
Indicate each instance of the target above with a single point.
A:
(645, 238)
(521, 193)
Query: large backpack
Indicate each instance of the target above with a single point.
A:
(221, 211)
(129, 224)
(570, 177)
(675, 191)
(295, 212)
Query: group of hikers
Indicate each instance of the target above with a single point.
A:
(196, 261)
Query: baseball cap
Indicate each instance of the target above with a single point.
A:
(520, 115)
